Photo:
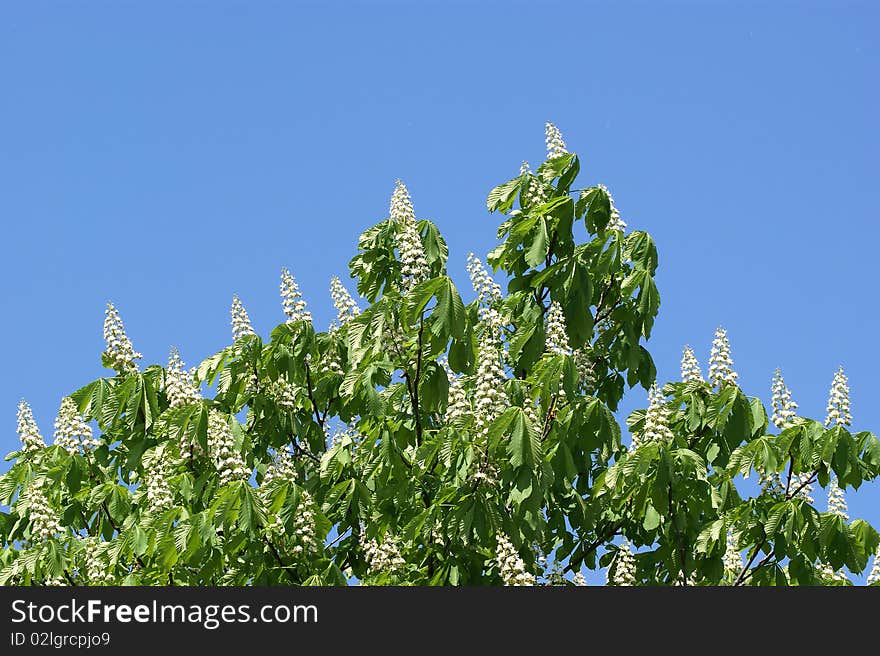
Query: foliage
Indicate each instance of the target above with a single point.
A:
(425, 441)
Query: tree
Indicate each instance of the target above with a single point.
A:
(421, 440)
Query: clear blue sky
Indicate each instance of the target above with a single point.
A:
(166, 158)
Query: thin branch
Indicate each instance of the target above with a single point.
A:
(312, 396)
(415, 386)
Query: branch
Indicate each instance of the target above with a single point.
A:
(548, 420)
(278, 558)
(116, 528)
(609, 533)
(742, 575)
(69, 577)
(415, 390)
(312, 396)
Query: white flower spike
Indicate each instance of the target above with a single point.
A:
(241, 322)
(555, 144)
(71, 430)
(690, 368)
(119, 353)
(409, 242)
(838, 401)
(292, 300)
(28, 432)
(721, 371)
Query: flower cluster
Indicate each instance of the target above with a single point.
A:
(827, 573)
(721, 371)
(409, 245)
(346, 307)
(383, 556)
(624, 572)
(783, 406)
(458, 407)
(180, 385)
(656, 427)
(510, 566)
(489, 397)
(555, 329)
(583, 364)
(874, 575)
(292, 301)
(555, 144)
(690, 368)
(332, 361)
(71, 430)
(614, 221)
(536, 193)
(28, 432)
(733, 561)
(284, 394)
(838, 401)
(221, 445)
(157, 478)
(488, 291)
(303, 537)
(44, 519)
(282, 467)
(836, 500)
(120, 353)
(96, 570)
(241, 322)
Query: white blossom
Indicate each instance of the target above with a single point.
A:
(96, 569)
(555, 329)
(284, 394)
(583, 363)
(71, 430)
(303, 535)
(282, 467)
(383, 556)
(158, 469)
(488, 291)
(221, 445)
(837, 500)
(733, 561)
(241, 322)
(656, 428)
(292, 301)
(119, 352)
(43, 517)
(510, 565)
(614, 221)
(28, 432)
(458, 407)
(783, 406)
(409, 242)
(624, 570)
(489, 397)
(180, 385)
(721, 371)
(555, 144)
(690, 368)
(346, 307)
(838, 401)
(874, 575)
(578, 579)
(826, 572)
(536, 194)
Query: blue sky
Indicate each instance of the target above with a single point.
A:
(166, 158)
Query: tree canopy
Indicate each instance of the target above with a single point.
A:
(423, 440)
